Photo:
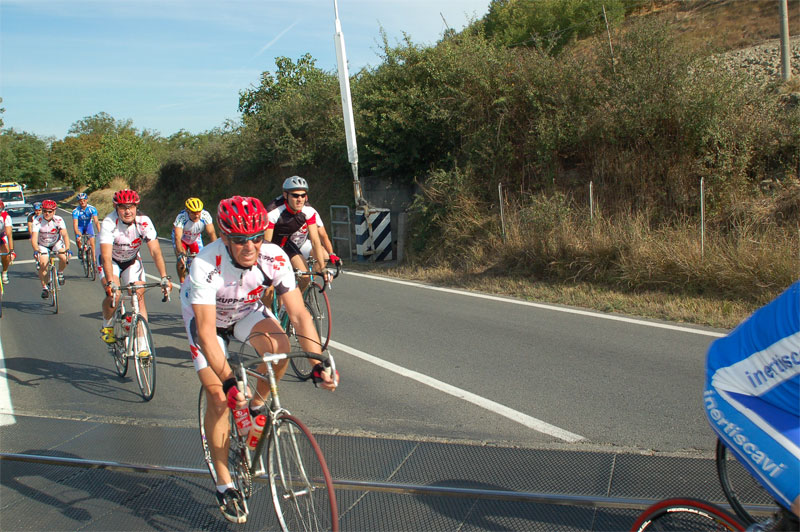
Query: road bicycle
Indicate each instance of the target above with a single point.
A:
(87, 258)
(134, 340)
(186, 259)
(300, 483)
(51, 274)
(315, 297)
(685, 514)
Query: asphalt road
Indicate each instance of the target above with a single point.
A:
(415, 362)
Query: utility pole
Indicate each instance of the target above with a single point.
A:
(786, 68)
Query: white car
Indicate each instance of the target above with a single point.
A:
(19, 218)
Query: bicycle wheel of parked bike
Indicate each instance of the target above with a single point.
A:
(301, 485)
(237, 465)
(739, 485)
(686, 515)
(144, 357)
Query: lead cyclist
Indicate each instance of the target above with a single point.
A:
(220, 298)
(752, 398)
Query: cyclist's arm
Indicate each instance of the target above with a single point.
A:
(158, 259)
(206, 320)
(178, 242)
(268, 234)
(212, 235)
(306, 333)
(75, 228)
(105, 260)
(65, 236)
(35, 241)
(323, 237)
(316, 248)
(96, 224)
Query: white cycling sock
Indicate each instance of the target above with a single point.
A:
(224, 487)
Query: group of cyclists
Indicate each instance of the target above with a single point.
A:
(223, 288)
(752, 395)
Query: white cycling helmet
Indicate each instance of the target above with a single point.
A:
(295, 183)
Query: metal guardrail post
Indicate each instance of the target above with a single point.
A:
(342, 210)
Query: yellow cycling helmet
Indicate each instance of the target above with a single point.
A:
(194, 204)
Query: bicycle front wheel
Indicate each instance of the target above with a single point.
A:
(686, 515)
(237, 463)
(738, 484)
(120, 360)
(92, 267)
(54, 290)
(85, 260)
(144, 355)
(301, 485)
(318, 306)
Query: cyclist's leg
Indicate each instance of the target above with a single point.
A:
(105, 278)
(765, 439)
(135, 274)
(44, 256)
(273, 340)
(61, 249)
(216, 421)
(298, 263)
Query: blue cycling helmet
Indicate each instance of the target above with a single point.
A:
(82, 195)
(37, 205)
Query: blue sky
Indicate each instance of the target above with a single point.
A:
(180, 64)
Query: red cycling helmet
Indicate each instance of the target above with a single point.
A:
(49, 204)
(241, 215)
(126, 196)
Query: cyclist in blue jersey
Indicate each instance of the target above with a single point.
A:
(84, 222)
(752, 396)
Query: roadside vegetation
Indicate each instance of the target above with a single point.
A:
(546, 105)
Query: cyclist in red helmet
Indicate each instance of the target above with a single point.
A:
(49, 235)
(122, 233)
(220, 298)
(6, 241)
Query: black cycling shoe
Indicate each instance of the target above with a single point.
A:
(45, 293)
(231, 505)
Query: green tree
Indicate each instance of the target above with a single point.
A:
(123, 155)
(23, 158)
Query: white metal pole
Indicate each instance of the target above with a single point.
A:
(591, 201)
(702, 218)
(502, 216)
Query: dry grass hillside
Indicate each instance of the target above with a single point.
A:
(743, 34)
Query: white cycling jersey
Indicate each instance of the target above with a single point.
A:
(49, 232)
(192, 231)
(126, 239)
(214, 280)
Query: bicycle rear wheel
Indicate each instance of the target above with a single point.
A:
(144, 355)
(237, 463)
(301, 485)
(686, 515)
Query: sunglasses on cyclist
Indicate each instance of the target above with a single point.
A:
(46, 211)
(241, 240)
(298, 195)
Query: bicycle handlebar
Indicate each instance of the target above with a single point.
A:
(131, 287)
(324, 358)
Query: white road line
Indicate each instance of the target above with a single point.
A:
(5, 395)
(543, 306)
(518, 417)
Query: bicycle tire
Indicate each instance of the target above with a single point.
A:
(120, 360)
(738, 476)
(237, 464)
(145, 366)
(85, 260)
(686, 515)
(300, 482)
(92, 267)
(54, 290)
